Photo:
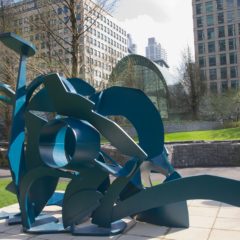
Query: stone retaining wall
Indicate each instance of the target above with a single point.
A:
(205, 154)
(186, 154)
(195, 154)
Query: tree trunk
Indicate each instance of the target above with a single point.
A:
(75, 39)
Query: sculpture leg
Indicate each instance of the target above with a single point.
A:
(166, 215)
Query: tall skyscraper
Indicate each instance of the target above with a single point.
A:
(102, 39)
(155, 52)
(217, 47)
(132, 47)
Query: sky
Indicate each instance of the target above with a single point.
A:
(169, 21)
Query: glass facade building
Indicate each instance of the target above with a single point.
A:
(139, 72)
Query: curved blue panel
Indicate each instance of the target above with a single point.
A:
(69, 143)
(139, 110)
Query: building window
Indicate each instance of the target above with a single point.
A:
(223, 59)
(201, 48)
(202, 75)
(66, 18)
(224, 86)
(233, 72)
(213, 87)
(199, 8)
(220, 18)
(219, 5)
(201, 61)
(200, 35)
(199, 22)
(231, 30)
(209, 7)
(230, 16)
(230, 4)
(59, 11)
(234, 84)
(210, 20)
(221, 32)
(223, 72)
(78, 16)
(232, 44)
(210, 33)
(211, 47)
(65, 9)
(213, 74)
(233, 58)
(212, 61)
(238, 13)
(222, 45)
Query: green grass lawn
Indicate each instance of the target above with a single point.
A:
(7, 198)
(210, 135)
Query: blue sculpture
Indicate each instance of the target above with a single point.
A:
(64, 119)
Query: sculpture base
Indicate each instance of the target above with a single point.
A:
(4, 215)
(46, 224)
(93, 230)
(14, 219)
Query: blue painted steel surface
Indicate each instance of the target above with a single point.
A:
(64, 119)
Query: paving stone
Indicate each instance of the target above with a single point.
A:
(224, 234)
(229, 212)
(14, 237)
(17, 229)
(232, 224)
(203, 211)
(59, 236)
(96, 238)
(148, 230)
(201, 221)
(204, 215)
(4, 227)
(131, 237)
(188, 234)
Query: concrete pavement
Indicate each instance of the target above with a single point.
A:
(209, 220)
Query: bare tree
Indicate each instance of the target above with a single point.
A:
(68, 16)
(7, 65)
(191, 80)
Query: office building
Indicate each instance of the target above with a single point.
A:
(155, 52)
(217, 47)
(132, 47)
(103, 42)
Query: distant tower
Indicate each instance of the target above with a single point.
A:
(155, 52)
(132, 47)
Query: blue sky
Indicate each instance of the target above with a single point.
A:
(169, 21)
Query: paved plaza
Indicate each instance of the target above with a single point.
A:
(209, 220)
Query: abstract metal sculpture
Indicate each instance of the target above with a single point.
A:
(64, 119)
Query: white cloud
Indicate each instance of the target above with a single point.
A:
(133, 8)
(175, 32)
